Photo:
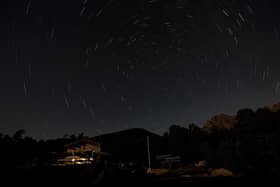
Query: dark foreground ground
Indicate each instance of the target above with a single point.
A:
(53, 176)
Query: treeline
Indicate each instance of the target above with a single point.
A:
(20, 151)
(250, 144)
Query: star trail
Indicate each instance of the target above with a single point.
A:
(97, 66)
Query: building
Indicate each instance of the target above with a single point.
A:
(169, 161)
(79, 152)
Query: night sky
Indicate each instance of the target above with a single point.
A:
(97, 66)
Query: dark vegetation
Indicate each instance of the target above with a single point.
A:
(250, 146)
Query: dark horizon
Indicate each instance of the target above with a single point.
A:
(101, 66)
(220, 121)
(226, 150)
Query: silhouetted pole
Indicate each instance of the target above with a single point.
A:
(149, 155)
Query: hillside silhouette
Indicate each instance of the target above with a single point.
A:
(130, 144)
(246, 144)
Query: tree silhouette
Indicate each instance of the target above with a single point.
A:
(19, 134)
(250, 145)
